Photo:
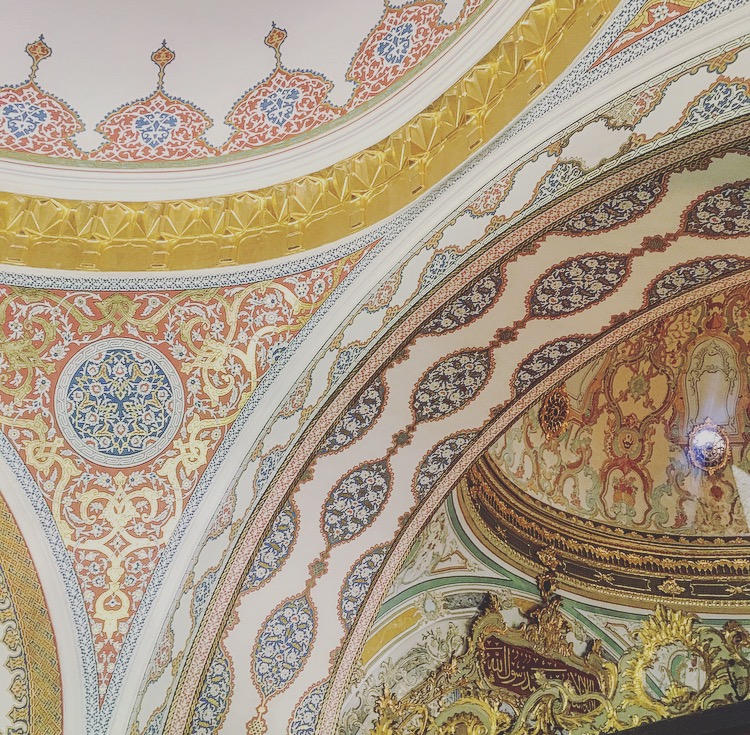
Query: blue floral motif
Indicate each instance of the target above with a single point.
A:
(274, 548)
(120, 403)
(449, 385)
(439, 460)
(576, 284)
(306, 716)
(283, 645)
(213, 700)
(358, 582)
(357, 419)
(467, 306)
(546, 359)
(268, 466)
(155, 723)
(202, 593)
(723, 100)
(691, 275)
(155, 127)
(279, 106)
(395, 44)
(344, 361)
(23, 118)
(439, 266)
(356, 501)
(559, 179)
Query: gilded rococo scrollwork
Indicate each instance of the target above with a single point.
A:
(528, 681)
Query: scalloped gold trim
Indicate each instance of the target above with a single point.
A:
(309, 211)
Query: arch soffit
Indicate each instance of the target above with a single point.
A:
(498, 422)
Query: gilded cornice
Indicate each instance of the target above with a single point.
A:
(312, 210)
(600, 561)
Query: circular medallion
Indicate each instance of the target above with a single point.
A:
(119, 402)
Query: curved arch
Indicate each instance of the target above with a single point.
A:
(535, 240)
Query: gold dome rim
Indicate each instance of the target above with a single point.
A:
(317, 209)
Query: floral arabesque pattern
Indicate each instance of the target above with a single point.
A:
(723, 98)
(724, 212)
(211, 708)
(576, 284)
(307, 713)
(450, 384)
(32, 121)
(545, 359)
(404, 37)
(467, 306)
(438, 461)
(624, 206)
(159, 128)
(119, 402)
(274, 549)
(358, 582)
(283, 645)
(286, 104)
(691, 275)
(356, 501)
(358, 419)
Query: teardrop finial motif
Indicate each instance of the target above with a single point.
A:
(39, 51)
(162, 57)
(276, 36)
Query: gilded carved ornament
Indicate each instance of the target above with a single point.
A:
(593, 558)
(677, 666)
(312, 210)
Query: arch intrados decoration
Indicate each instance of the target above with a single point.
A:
(486, 436)
(394, 346)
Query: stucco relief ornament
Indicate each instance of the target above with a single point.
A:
(553, 412)
(708, 447)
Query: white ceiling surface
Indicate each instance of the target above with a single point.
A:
(101, 59)
(101, 51)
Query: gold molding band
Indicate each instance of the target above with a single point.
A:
(603, 563)
(313, 210)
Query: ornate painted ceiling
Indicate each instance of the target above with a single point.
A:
(228, 489)
(87, 90)
(599, 480)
